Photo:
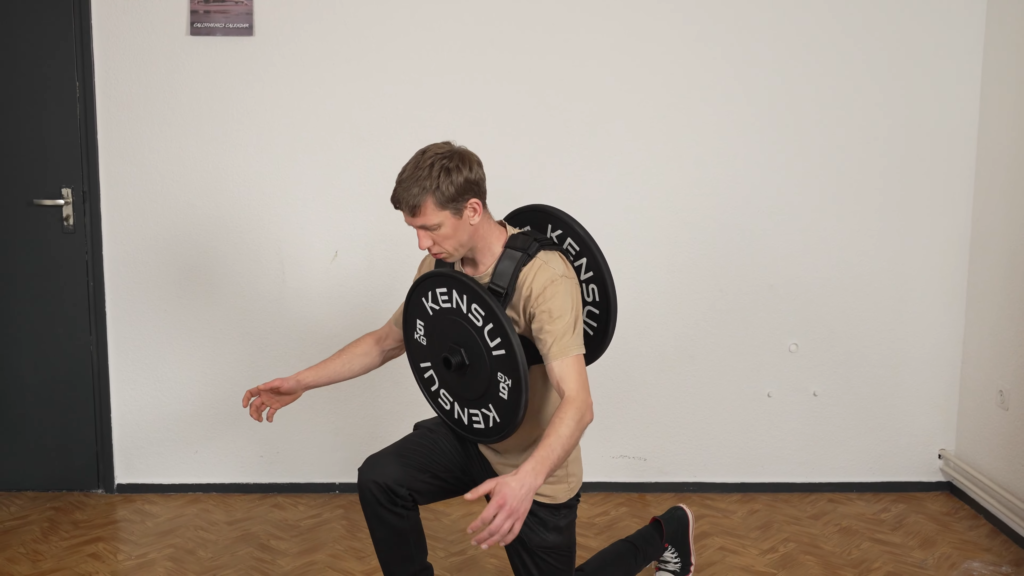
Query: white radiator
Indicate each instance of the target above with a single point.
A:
(1004, 505)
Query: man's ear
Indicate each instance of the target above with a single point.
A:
(474, 210)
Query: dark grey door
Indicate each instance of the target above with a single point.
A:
(47, 407)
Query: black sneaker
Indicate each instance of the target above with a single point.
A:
(677, 530)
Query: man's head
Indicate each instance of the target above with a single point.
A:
(442, 192)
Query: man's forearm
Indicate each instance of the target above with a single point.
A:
(564, 432)
(363, 355)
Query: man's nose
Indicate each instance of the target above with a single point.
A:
(424, 239)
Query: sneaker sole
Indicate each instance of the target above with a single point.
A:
(693, 552)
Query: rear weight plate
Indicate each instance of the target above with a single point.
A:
(465, 355)
(600, 306)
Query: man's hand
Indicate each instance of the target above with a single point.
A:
(274, 395)
(511, 498)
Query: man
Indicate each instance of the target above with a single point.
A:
(531, 480)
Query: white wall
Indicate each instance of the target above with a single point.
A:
(989, 439)
(757, 174)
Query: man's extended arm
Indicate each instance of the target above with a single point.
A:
(363, 355)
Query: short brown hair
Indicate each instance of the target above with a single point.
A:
(450, 174)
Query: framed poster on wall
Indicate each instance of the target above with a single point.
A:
(220, 17)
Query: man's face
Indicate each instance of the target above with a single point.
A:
(440, 233)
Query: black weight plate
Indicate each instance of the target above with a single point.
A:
(465, 355)
(600, 306)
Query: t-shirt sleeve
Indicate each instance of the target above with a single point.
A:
(426, 265)
(555, 313)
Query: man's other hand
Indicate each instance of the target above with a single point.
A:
(511, 498)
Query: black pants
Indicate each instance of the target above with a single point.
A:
(434, 463)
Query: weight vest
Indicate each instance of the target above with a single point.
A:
(520, 248)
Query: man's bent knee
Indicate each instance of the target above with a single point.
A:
(379, 469)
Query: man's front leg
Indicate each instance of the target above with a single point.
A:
(547, 541)
(392, 517)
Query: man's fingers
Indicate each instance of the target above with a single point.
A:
(499, 534)
(270, 414)
(492, 523)
(513, 533)
(249, 395)
(488, 533)
(256, 410)
(480, 490)
(485, 518)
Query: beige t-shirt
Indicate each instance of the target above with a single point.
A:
(547, 308)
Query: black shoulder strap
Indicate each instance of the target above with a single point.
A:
(520, 248)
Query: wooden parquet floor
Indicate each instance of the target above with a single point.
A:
(736, 534)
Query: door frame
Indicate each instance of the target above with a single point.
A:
(94, 242)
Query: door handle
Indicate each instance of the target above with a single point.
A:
(68, 215)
